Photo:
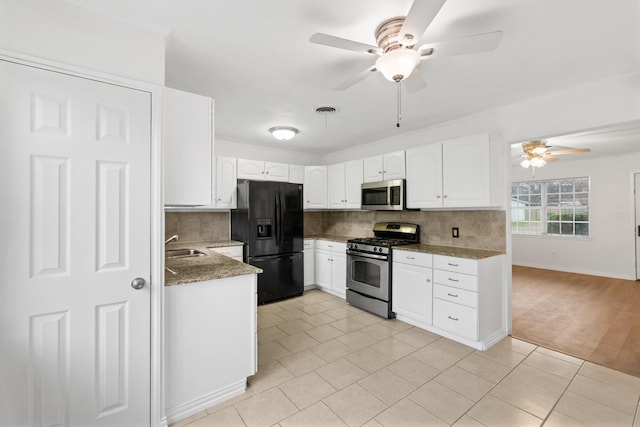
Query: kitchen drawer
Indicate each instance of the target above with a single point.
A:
(420, 259)
(459, 265)
(329, 245)
(459, 296)
(457, 280)
(455, 318)
(230, 251)
(309, 244)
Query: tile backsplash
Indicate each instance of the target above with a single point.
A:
(482, 229)
(197, 226)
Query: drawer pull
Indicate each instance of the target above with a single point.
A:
(452, 295)
(453, 318)
(410, 257)
(428, 280)
(453, 280)
(452, 264)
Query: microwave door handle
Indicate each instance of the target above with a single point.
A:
(389, 195)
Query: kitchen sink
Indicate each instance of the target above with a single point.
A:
(183, 253)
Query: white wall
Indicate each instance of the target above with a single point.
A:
(61, 32)
(610, 248)
(599, 104)
(255, 152)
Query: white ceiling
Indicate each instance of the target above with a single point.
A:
(253, 57)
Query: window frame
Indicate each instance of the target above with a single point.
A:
(543, 210)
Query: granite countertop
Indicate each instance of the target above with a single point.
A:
(209, 267)
(451, 251)
(330, 237)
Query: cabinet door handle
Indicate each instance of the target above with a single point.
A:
(428, 280)
(452, 295)
(453, 280)
(410, 257)
(267, 172)
(445, 196)
(453, 318)
(452, 264)
(438, 196)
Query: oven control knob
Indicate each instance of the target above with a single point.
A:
(355, 246)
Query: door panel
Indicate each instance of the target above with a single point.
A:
(75, 191)
(637, 230)
(281, 277)
(292, 218)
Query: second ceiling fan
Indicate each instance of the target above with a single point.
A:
(397, 39)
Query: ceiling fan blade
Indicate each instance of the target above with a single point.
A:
(569, 151)
(414, 82)
(477, 43)
(418, 19)
(340, 43)
(548, 158)
(355, 79)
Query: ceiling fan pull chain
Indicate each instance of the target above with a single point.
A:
(399, 105)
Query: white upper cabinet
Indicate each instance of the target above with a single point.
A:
(459, 173)
(188, 141)
(264, 171)
(385, 167)
(424, 177)
(296, 174)
(344, 182)
(315, 187)
(467, 172)
(225, 183)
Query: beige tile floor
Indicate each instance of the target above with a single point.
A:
(325, 363)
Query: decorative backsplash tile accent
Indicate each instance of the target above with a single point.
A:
(197, 226)
(483, 229)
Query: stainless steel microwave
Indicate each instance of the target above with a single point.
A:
(383, 195)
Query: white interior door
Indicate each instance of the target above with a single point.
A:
(75, 197)
(637, 230)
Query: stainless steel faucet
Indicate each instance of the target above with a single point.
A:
(171, 239)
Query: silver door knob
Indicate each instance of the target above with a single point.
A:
(138, 283)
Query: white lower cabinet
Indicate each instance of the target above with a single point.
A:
(460, 298)
(469, 299)
(309, 263)
(412, 287)
(198, 373)
(331, 267)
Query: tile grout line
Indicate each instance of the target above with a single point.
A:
(494, 386)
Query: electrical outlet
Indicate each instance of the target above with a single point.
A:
(455, 232)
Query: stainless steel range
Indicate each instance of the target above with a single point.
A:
(369, 266)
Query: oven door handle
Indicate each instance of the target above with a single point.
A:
(367, 255)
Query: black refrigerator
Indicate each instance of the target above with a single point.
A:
(269, 220)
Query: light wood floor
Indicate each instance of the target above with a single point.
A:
(590, 317)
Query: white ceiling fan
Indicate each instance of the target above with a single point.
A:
(397, 39)
(536, 154)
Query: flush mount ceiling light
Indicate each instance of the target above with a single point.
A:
(283, 133)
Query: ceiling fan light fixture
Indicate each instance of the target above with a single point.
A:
(537, 162)
(398, 64)
(283, 133)
(525, 163)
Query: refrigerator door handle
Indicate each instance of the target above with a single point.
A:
(278, 218)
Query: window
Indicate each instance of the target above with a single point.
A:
(554, 207)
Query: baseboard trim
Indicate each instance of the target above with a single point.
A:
(574, 270)
(187, 409)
